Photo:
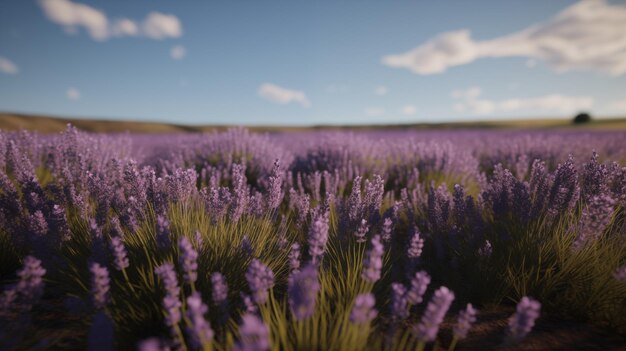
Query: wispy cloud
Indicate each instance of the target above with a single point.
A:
(470, 101)
(587, 35)
(7, 66)
(160, 26)
(381, 90)
(72, 94)
(178, 52)
(72, 16)
(282, 95)
(408, 110)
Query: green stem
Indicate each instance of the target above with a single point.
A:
(453, 344)
(420, 346)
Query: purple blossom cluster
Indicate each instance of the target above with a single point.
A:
(436, 202)
(432, 318)
(253, 334)
(363, 310)
(302, 289)
(523, 321)
(100, 285)
(260, 280)
(373, 262)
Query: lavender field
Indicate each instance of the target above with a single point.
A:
(372, 240)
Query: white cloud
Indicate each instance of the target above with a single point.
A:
(159, 26)
(72, 16)
(590, 34)
(375, 111)
(381, 90)
(72, 94)
(178, 52)
(408, 110)
(7, 66)
(282, 95)
(125, 27)
(470, 101)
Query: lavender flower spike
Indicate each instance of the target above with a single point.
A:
(318, 236)
(464, 322)
(188, 258)
(220, 289)
(302, 290)
(99, 285)
(399, 302)
(120, 258)
(253, 334)
(30, 287)
(260, 279)
(294, 257)
(363, 310)
(427, 329)
(523, 321)
(416, 245)
(419, 284)
(171, 301)
(199, 329)
(373, 263)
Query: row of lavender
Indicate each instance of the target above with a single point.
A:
(307, 222)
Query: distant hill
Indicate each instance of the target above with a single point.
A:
(47, 124)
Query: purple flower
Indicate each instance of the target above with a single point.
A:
(249, 303)
(523, 321)
(363, 309)
(620, 274)
(595, 217)
(373, 263)
(171, 301)
(37, 224)
(318, 236)
(199, 329)
(198, 239)
(275, 192)
(428, 328)
(120, 258)
(416, 244)
(99, 285)
(253, 334)
(219, 294)
(163, 233)
(241, 193)
(246, 246)
(464, 322)
(361, 231)
(30, 286)
(260, 279)
(153, 344)
(486, 250)
(387, 229)
(302, 290)
(188, 258)
(399, 302)
(294, 257)
(419, 284)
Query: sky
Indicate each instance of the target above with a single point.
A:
(312, 62)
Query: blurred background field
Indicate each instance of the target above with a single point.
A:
(48, 124)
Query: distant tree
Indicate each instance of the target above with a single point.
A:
(582, 117)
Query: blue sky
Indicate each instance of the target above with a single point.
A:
(312, 62)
